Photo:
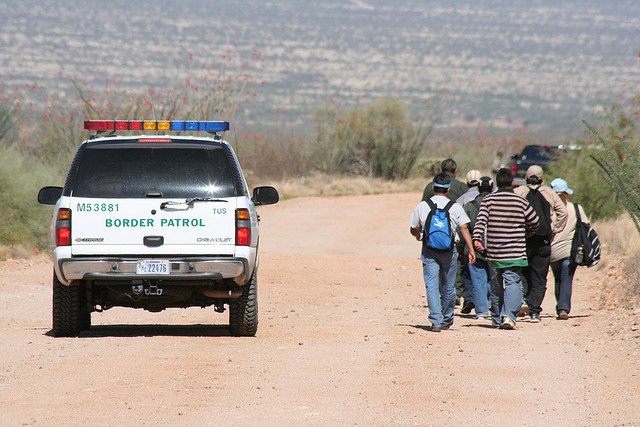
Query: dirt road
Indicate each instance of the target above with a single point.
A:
(342, 341)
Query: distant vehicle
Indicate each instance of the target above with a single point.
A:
(155, 221)
(541, 155)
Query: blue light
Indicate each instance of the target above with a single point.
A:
(177, 125)
(214, 126)
(191, 125)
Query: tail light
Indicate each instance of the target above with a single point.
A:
(514, 169)
(243, 227)
(63, 227)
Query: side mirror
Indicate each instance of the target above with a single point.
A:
(265, 196)
(49, 195)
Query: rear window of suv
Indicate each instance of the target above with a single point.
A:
(139, 170)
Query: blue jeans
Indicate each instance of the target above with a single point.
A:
(439, 269)
(563, 271)
(480, 277)
(506, 293)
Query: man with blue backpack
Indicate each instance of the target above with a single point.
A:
(434, 221)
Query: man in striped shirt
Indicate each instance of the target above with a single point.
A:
(504, 220)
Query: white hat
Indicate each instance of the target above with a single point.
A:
(473, 177)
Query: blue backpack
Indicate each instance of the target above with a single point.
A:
(437, 232)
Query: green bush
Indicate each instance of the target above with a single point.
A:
(272, 157)
(620, 161)
(378, 139)
(587, 181)
(24, 221)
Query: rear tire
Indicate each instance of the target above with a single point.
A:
(70, 313)
(243, 311)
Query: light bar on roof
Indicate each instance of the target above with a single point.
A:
(167, 125)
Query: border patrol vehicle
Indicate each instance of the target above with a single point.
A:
(155, 221)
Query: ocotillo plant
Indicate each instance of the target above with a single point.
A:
(622, 173)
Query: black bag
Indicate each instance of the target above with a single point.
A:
(543, 209)
(585, 248)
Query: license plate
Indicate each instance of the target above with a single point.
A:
(153, 266)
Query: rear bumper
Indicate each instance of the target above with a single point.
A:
(181, 268)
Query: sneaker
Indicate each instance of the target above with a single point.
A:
(535, 317)
(435, 328)
(563, 315)
(446, 326)
(467, 307)
(507, 323)
(481, 317)
(523, 309)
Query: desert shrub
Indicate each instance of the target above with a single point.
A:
(617, 150)
(378, 139)
(587, 181)
(24, 221)
(272, 157)
(215, 93)
(620, 161)
(8, 117)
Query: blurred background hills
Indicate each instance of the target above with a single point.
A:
(544, 64)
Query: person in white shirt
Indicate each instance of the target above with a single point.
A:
(440, 265)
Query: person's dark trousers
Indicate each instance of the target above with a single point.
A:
(465, 278)
(460, 292)
(538, 254)
(459, 285)
(563, 271)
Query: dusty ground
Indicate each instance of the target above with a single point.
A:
(342, 341)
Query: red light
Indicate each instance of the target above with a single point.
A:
(243, 227)
(63, 237)
(514, 169)
(154, 140)
(122, 125)
(99, 125)
(137, 125)
(243, 237)
(63, 227)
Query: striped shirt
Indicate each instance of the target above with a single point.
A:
(503, 222)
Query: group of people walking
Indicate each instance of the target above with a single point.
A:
(499, 241)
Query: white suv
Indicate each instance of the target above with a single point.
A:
(152, 222)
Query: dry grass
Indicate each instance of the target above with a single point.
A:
(619, 236)
(324, 186)
(22, 252)
(620, 265)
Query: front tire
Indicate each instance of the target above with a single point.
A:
(243, 311)
(70, 315)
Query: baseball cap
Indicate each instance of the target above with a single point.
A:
(559, 185)
(485, 183)
(473, 176)
(534, 170)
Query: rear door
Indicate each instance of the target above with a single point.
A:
(133, 198)
(139, 226)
